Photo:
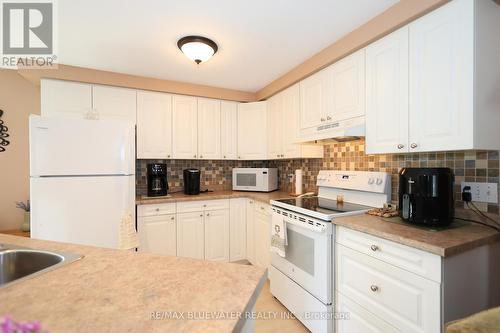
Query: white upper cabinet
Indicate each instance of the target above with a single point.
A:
(184, 127)
(209, 128)
(275, 126)
(65, 99)
(290, 105)
(229, 130)
(441, 78)
(334, 94)
(387, 94)
(252, 131)
(114, 103)
(346, 91)
(154, 125)
(313, 100)
(451, 80)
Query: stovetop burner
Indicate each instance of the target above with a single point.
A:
(322, 205)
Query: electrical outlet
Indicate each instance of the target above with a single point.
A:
(483, 192)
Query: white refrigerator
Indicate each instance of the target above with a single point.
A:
(82, 179)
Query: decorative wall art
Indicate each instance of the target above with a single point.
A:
(3, 134)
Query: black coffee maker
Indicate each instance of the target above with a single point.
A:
(191, 181)
(157, 180)
(426, 196)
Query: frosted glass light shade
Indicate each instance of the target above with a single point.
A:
(199, 49)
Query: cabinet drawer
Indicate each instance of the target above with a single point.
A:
(409, 302)
(419, 262)
(354, 318)
(154, 210)
(262, 207)
(202, 205)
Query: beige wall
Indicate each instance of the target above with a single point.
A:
(18, 98)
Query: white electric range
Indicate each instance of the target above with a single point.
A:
(303, 279)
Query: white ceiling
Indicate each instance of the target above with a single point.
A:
(259, 40)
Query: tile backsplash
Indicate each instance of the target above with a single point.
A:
(473, 166)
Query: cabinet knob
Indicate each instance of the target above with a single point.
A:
(323, 119)
(204, 205)
(201, 156)
(328, 118)
(374, 288)
(157, 209)
(194, 156)
(208, 214)
(168, 156)
(278, 155)
(374, 248)
(401, 146)
(261, 207)
(282, 155)
(201, 215)
(413, 145)
(224, 156)
(172, 218)
(239, 157)
(251, 201)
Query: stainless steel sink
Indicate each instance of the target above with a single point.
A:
(18, 263)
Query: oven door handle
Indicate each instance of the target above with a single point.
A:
(316, 228)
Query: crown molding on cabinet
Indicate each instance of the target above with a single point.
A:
(392, 19)
(88, 75)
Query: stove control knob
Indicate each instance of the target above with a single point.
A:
(371, 181)
(379, 181)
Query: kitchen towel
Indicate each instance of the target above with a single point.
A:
(278, 235)
(128, 238)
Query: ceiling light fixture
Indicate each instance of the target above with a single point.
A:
(197, 48)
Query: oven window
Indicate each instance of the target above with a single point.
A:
(300, 251)
(246, 179)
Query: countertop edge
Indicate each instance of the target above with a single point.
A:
(251, 303)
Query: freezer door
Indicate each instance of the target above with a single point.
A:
(81, 210)
(81, 147)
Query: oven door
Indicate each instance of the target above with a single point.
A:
(250, 180)
(308, 258)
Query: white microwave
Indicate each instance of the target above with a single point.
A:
(255, 179)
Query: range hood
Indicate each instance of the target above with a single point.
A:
(340, 131)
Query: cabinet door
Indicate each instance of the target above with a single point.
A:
(190, 235)
(275, 127)
(114, 103)
(290, 119)
(346, 88)
(313, 99)
(237, 229)
(262, 235)
(154, 125)
(65, 99)
(229, 130)
(217, 235)
(252, 131)
(387, 94)
(209, 144)
(184, 127)
(157, 234)
(359, 319)
(250, 216)
(441, 78)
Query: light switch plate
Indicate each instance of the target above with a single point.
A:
(483, 192)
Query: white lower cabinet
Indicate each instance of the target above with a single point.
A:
(237, 229)
(262, 235)
(190, 235)
(224, 230)
(216, 224)
(250, 216)
(353, 318)
(157, 234)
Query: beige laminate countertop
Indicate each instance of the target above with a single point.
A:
(179, 197)
(444, 243)
(117, 291)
